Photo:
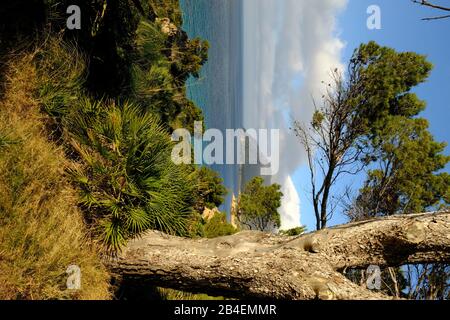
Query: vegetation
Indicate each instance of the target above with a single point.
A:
(159, 72)
(293, 232)
(370, 120)
(107, 98)
(121, 144)
(210, 192)
(218, 226)
(41, 229)
(130, 55)
(61, 74)
(85, 123)
(406, 175)
(258, 206)
(210, 224)
(127, 179)
(357, 114)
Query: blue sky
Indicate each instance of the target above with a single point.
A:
(403, 30)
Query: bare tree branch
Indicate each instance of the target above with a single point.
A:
(331, 141)
(434, 6)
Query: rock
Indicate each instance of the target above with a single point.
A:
(167, 27)
(208, 214)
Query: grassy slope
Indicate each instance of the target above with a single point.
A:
(41, 229)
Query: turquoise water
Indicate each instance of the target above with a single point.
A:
(218, 92)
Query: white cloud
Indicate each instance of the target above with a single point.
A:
(290, 209)
(287, 43)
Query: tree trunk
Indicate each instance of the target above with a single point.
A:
(253, 264)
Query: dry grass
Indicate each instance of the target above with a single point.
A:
(41, 228)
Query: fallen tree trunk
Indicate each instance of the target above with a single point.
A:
(259, 265)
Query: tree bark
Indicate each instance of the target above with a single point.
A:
(253, 264)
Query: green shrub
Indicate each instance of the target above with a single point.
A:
(259, 205)
(160, 68)
(210, 192)
(167, 9)
(153, 90)
(61, 74)
(128, 181)
(218, 226)
(293, 232)
(150, 43)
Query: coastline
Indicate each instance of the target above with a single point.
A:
(218, 92)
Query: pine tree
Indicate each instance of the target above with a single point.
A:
(259, 204)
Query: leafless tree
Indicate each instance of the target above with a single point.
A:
(331, 141)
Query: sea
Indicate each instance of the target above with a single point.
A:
(218, 90)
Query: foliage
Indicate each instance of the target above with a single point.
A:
(213, 226)
(355, 110)
(403, 160)
(188, 57)
(128, 181)
(385, 79)
(5, 139)
(160, 68)
(150, 43)
(106, 38)
(152, 84)
(293, 232)
(41, 229)
(120, 150)
(59, 90)
(61, 71)
(167, 8)
(195, 225)
(61, 75)
(209, 189)
(407, 176)
(259, 204)
(129, 55)
(218, 226)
